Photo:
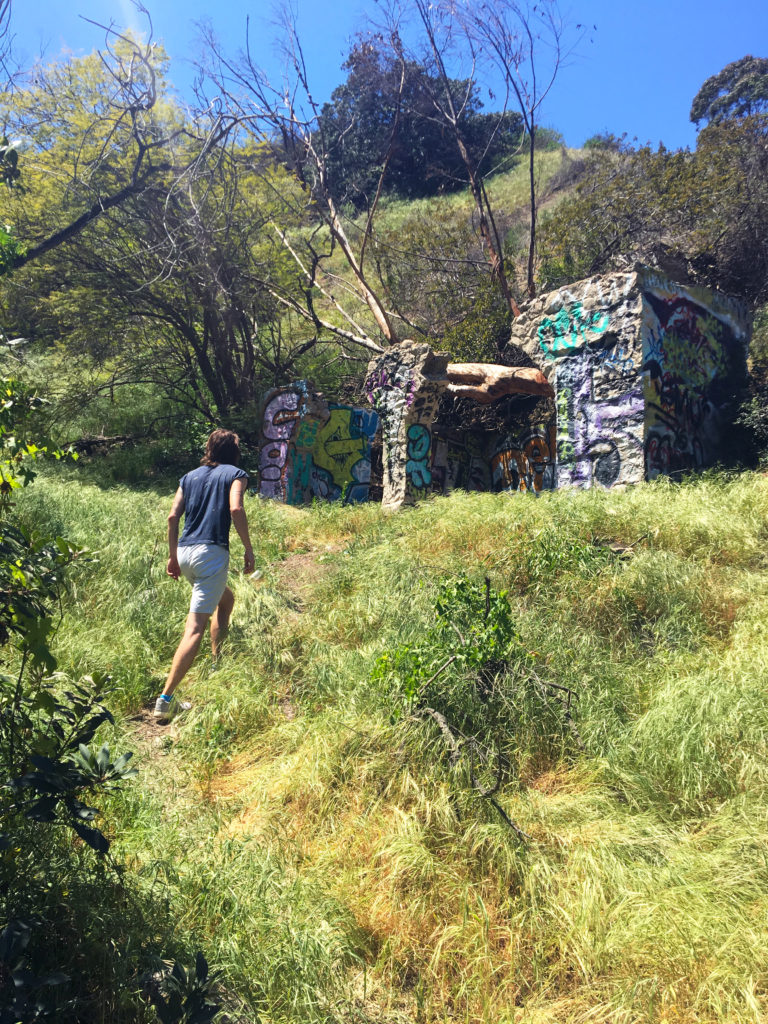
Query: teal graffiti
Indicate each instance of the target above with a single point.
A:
(417, 468)
(569, 328)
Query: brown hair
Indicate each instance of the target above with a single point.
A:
(223, 448)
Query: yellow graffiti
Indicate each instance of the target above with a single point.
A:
(336, 451)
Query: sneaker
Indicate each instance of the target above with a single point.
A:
(164, 710)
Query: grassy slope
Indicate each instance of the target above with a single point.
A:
(508, 192)
(313, 847)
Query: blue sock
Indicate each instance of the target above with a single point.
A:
(166, 699)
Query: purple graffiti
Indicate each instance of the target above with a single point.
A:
(384, 380)
(589, 428)
(280, 418)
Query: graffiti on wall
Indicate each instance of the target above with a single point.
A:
(460, 462)
(320, 453)
(526, 463)
(596, 435)
(617, 360)
(281, 415)
(404, 385)
(391, 391)
(417, 454)
(689, 368)
(571, 327)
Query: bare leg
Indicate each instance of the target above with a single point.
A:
(220, 621)
(187, 649)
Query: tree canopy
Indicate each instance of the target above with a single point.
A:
(704, 215)
(171, 285)
(739, 90)
(385, 112)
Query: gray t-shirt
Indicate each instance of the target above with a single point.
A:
(207, 518)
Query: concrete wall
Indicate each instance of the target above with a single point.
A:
(586, 338)
(405, 386)
(644, 372)
(311, 448)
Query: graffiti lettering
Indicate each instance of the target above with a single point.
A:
(569, 329)
(688, 356)
(417, 467)
(325, 454)
(271, 464)
(393, 378)
(460, 462)
(527, 465)
(616, 359)
(280, 418)
(281, 414)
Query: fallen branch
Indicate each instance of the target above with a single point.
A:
(454, 754)
(453, 747)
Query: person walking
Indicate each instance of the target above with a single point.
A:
(211, 499)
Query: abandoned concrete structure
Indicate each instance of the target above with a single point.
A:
(617, 379)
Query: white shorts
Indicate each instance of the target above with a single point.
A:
(206, 566)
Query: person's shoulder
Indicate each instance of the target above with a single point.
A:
(195, 474)
(232, 473)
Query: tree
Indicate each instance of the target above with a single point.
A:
(310, 139)
(359, 120)
(524, 45)
(504, 41)
(109, 142)
(288, 119)
(171, 284)
(739, 90)
(172, 288)
(449, 100)
(5, 36)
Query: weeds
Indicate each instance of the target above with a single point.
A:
(314, 843)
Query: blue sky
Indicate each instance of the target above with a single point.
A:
(637, 71)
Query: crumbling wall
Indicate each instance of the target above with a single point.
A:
(586, 339)
(644, 372)
(311, 448)
(404, 385)
(632, 375)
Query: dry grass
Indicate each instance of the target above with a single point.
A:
(337, 865)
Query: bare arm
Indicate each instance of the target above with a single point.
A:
(239, 520)
(177, 510)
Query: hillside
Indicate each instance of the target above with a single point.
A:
(313, 832)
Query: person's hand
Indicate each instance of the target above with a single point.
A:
(249, 563)
(172, 568)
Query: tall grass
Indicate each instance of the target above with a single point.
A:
(318, 841)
